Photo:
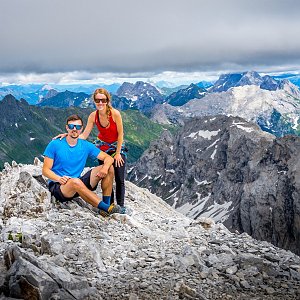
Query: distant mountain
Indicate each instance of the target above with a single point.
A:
(120, 103)
(228, 169)
(275, 111)
(227, 81)
(51, 93)
(182, 96)
(86, 88)
(204, 84)
(143, 96)
(293, 78)
(166, 91)
(66, 99)
(32, 93)
(25, 130)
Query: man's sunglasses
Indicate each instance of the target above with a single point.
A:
(103, 101)
(72, 126)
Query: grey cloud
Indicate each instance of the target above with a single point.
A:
(147, 36)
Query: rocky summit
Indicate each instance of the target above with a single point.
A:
(54, 251)
(228, 169)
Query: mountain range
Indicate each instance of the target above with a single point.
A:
(230, 170)
(273, 104)
(275, 111)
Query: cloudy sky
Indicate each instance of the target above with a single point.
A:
(90, 40)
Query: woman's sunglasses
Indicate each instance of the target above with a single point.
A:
(103, 101)
(72, 126)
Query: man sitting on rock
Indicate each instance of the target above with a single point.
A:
(65, 160)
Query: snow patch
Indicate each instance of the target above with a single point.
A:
(218, 212)
(213, 144)
(214, 153)
(295, 121)
(193, 209)
(240, 126)
(204, 182)
(206, 134)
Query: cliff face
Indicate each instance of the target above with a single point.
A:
(55, 251)
(228, 169)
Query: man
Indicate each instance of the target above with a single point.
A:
(64, 161)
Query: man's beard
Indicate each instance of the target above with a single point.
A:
(74, 137)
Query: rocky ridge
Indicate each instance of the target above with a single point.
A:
(55, 251)
(228, 169)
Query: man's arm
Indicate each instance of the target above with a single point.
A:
(47, 166)
(108, 161)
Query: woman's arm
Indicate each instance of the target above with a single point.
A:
(89, 126)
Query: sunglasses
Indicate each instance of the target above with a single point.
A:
(72, 126)
(103, 101)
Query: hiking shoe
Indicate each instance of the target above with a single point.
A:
(126, 210)
(123, 210)
(115, 209)
(103, 213)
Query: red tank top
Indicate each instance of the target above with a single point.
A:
(107, 134)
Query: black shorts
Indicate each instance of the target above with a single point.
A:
(54, 187)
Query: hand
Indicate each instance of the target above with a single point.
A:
(60, 136)
(63, 180)
(118, 160)
(102, 172)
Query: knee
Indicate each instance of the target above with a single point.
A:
(76, 183)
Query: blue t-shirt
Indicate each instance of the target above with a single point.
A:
(70, 160)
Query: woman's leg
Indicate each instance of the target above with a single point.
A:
(120, 182)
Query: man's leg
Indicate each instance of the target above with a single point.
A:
(75, 185)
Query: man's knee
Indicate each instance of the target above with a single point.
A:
(76, 183)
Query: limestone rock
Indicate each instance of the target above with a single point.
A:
(71, 252)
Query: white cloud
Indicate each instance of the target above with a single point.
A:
(130, 38)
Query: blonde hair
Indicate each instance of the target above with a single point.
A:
(108, 97)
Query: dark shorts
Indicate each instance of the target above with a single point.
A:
(54, 187)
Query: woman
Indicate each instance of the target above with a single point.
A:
(110, 139)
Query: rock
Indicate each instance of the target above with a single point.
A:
(71, 252)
